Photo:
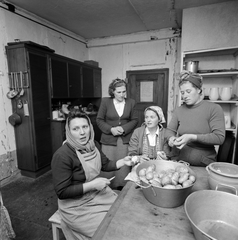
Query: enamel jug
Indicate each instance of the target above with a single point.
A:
(214, 93)
(225, 93)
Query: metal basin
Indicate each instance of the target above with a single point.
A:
(213, 215)
(159, 196)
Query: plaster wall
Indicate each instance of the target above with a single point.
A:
(143, 51)
(13, 26)
(211, 26)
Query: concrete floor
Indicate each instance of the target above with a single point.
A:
(30, 203)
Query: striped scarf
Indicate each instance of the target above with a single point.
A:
(89, 147)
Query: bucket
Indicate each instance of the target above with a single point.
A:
(192, 66)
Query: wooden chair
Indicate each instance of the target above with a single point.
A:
(55, 220)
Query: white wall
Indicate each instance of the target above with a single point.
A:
(116, 55)
(211, 26)
(14, 27)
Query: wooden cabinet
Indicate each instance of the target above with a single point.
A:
(58, 134)
(65, 78)
(74, 79)
(219, 69)
(91, 82)
(33, 135)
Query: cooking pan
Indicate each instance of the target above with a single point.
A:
(213, 215)
(192, 66)
(14, 119)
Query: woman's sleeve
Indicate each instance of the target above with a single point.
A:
(100, 120)
(172, 127)
(217, 126)
(62, 178)
(130, 126)
(133, 148)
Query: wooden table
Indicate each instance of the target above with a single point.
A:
(132, 217)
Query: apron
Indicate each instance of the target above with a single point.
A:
(82, 216)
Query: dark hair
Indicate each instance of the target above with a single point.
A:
(76, 113)
(114, 84)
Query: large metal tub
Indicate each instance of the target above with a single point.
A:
(159, 196)
(213, 215)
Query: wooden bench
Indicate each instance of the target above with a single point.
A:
(55, 220)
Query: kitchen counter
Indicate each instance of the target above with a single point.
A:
(133, 217)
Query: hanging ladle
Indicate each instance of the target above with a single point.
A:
(12, 93)
(22, 88)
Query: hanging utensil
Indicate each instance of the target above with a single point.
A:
(19, 104)
(11, 94)
(22, 87)
(26, 109)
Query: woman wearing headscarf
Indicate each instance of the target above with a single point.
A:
(148, 141)
(83, 197)
(197, 125)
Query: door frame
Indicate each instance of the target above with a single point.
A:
(165, 89)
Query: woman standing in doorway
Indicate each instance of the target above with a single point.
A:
(116, 119)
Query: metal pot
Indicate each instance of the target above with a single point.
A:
(15, 119)
(213, 215)
(192, 66)
(162, 197)
(222, 174)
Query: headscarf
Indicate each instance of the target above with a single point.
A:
(194, 78)
(158, 111)
(89, 146)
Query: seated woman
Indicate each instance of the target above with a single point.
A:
(83, 197)
(147, 141)
(197, 125)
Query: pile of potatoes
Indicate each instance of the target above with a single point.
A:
(170, 178)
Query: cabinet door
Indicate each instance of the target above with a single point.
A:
(97, 83)
(88, 86)
(75, 89)
(40, 109)
(59, 78)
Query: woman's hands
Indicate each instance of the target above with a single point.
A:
(117, 131)
(181, 141)
(96, 184)
(124, 161)
(161, 155)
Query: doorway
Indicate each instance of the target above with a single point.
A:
(147, 88)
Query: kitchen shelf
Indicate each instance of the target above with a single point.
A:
(213, 52)
(220, 74)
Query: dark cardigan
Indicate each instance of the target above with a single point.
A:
(108, 117)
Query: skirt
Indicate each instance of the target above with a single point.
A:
(115, 153)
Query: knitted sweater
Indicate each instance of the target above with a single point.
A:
(204, 119)
(108, 117)
(136, 142)
(68, 173)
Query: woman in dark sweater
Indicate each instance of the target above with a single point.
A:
(197, 125)
(83, 197)
(116, 119)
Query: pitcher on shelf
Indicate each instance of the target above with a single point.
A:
(226, 93)
(214, 93)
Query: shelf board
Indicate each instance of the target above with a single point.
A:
(220, 74)
(212, 52)
(229, 102)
